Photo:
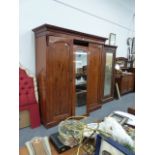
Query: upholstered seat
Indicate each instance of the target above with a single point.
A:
(28, 97)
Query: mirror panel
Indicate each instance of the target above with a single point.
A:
(81, 81)
(108, 74)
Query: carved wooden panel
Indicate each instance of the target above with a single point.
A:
(59, 79)
(131, 82)
(126, 83)
(94, 61)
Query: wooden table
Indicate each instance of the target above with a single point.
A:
(23, 151)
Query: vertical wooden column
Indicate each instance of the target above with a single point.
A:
(94, 76)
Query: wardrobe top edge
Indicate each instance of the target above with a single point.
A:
(46, 27)
(112, 46)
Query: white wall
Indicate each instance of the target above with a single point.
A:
(37, 12)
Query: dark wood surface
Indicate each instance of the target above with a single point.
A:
(109, 49)
(126, 83)
(55, 70)
(110, 46)
(60, 75)
(125, 80)
(40, 44)
(45, 29)
(94, 74)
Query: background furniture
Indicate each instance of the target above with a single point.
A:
(81, 93)
(27, 99)
(125, 79)
(56, 63)
(122, 62)
(131, 110)
(126, 83)
(109, 64)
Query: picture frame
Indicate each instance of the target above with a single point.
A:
(107, 146)
(112, 39)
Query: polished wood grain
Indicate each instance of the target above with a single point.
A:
(54, 74)
(45, 29)
(40, 45)
(126, 83)
(94, 64)
(55, 71)
(131, 83)
(41, 78)
(59, 80)
(40, 55)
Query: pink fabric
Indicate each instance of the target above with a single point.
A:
(27, 100)
(26, 89)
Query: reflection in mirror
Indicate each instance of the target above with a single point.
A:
(108, 74)
(81, 81)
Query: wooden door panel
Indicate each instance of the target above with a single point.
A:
(131, 82)
(124, 84)
(59, 75)
(127, 83)
(94, 73)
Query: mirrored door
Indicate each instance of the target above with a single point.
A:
(108, 85)
(80, 80)
(108, 74)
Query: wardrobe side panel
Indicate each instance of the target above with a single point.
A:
(40, 43)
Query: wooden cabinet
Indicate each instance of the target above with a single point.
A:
(108, 70)
(55, 70)
(125, 77)
(126, 82)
